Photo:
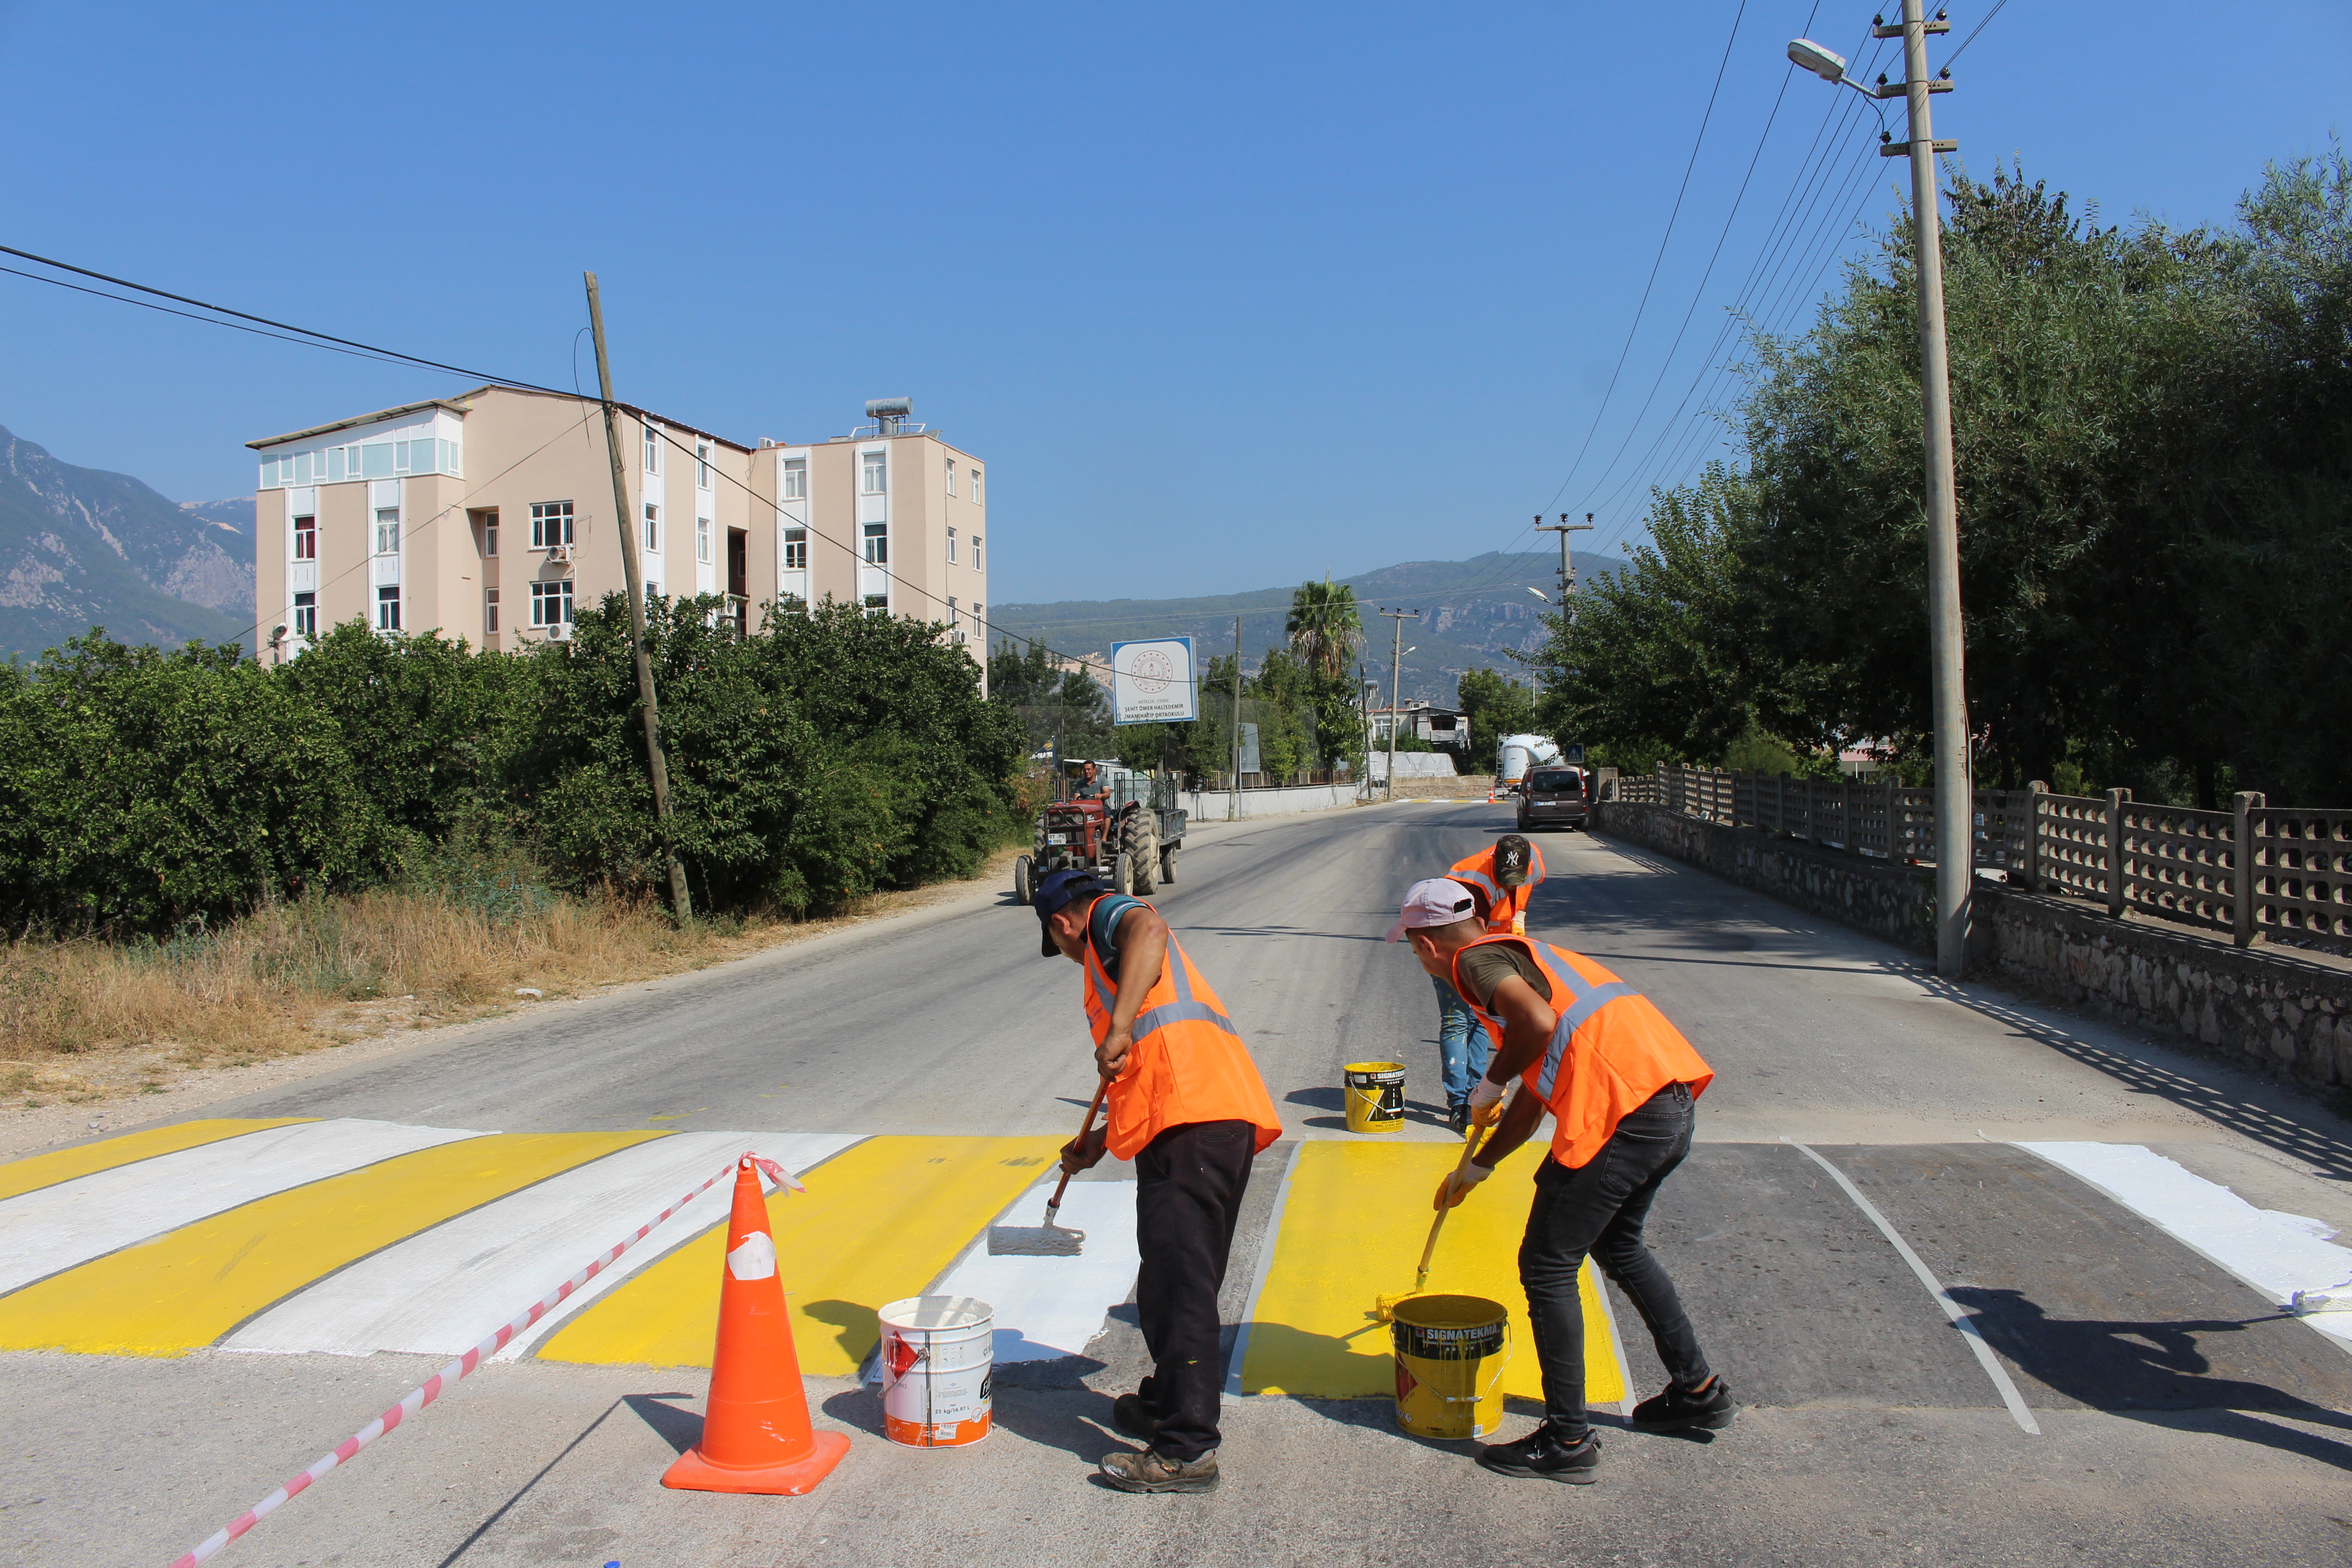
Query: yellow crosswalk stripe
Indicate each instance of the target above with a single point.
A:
(36, 1171)
(1352, 1228)
(879, 1221)
(188, 1288)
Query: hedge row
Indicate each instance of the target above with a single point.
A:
(828, 755)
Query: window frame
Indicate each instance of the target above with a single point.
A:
(951, 554)
(796, 551)
(544, 512)
(490, 612)
(703, 540)
(874, 466)
(387, 598)
(306, 540)
(975, 552)
(556, 590)
(306, 615)
(382, 512)
(702, 465)
(874, 547)
(653, 448)
(652, 534)
(795, 484)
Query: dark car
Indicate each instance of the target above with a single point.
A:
(1554, 797)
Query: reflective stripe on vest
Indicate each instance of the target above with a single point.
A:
(1585, 1005)
(1185, 1010)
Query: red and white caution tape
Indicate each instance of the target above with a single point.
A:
(431, 1388)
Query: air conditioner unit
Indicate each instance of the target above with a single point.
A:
(559, 552)
(558, 632)
(959, 637)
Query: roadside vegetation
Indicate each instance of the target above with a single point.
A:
(201, 853)
(2154, 443)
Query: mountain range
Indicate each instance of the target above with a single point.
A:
(83, 547)
(1475, 615)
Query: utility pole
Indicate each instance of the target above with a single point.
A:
(1567, 582)
(1396, 673)
(1955, 788)
(682, 903)
(1233, 803)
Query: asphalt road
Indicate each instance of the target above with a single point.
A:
(2181, 1418)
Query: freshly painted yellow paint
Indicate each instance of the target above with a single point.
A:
(188, 1288)
(880, 1220)
(63, 1165)
(1352, 1229)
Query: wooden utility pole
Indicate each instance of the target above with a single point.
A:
(682, 903)
(1396, 676)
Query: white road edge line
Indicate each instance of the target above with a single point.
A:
(1264, 1266)
(1952, 1309)
(1616, 1339)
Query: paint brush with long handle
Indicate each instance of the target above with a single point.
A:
(1049, 1240)
(1384, 1306)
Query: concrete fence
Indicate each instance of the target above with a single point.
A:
(2252, 872)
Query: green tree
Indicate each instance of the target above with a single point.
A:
(1496, 706)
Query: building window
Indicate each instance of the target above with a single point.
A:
(878, 545)
(653, 528)
(550, 603)
(951, 546)
(975, 552)
(306, 615)
(951, 476)
(795, 479)
(876, 603)
(306, 539)
(796, 550)
(653, 590)
(951, 612)
(877, 466)
(702, 539)
(979, 618)
(387, 531)
(551, 523)
(975, 486)
(387, 609)
(702, 465)
(653, 450)
(490, 612)
(491, 535)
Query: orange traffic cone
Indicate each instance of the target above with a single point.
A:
(755, 1432)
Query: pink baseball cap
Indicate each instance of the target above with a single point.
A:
(1437, 902)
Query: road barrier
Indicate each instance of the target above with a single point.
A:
(431, 1389)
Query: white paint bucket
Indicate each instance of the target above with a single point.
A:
(937, 1355)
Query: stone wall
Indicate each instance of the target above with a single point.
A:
(2282, 1011)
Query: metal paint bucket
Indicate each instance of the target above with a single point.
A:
(1450, 1355)
(937, 1356)
(1375, 1096)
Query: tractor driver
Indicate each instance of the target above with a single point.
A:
(1090, 787)
(1186, 1104)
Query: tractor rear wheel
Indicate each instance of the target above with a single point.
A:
(1022, 882)
(1139, 839)
(1122, 874)
(1167, 863)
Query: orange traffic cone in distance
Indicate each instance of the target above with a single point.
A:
(756, 1436)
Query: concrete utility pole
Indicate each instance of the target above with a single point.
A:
(1396, 676)
(1948, 702)
(681, 902)
(1233, 802)
(1567, 580)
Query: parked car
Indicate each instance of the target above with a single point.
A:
(1555, 797)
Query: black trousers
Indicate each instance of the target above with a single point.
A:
(1599, 1207)
(1189, 1183)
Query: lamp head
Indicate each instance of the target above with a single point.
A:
(1826, 63)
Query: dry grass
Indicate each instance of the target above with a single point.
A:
(82, 1019)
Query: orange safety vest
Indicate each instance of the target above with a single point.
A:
(1188, 1065)
(1609, 1051)
(1504, 905)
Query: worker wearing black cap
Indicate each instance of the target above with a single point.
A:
(1186, 1104)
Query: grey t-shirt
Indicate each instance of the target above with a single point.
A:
(1489, 964)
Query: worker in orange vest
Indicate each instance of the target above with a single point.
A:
(1186, 1104)
(1503, 876)
(1619, 1082)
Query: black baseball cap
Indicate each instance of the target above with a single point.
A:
(1055, 894)
(1513, 855)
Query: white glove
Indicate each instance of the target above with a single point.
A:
(1486, 1092)
(1518, 925)
(1474, 1173)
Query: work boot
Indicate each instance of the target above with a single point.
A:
(1680, 1410)
(1153, 1471)
(1134, 1417)
(1541, 1456)
(1458, 1118)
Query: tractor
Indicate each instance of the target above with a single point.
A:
(1126, 830)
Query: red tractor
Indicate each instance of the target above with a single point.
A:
(1127, 831)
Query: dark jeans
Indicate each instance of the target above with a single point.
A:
(1189, 1183)
(1598, 1208)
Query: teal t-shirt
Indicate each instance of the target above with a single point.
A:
(1102, 927)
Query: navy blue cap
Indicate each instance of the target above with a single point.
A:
(1056, 893)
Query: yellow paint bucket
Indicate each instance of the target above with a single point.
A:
(1375, 1096)
(1450, 1353)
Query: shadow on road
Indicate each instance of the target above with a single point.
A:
(678, 1429)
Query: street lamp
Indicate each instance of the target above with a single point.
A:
(1955, 796)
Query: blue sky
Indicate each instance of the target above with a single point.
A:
(1225, 296)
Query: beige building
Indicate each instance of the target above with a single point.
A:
(488, 517)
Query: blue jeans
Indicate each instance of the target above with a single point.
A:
(1462, 1043)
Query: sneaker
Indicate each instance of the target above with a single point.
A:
(1540, 1455)
(1679, 1410)
(1132, 1416)
(1458, 1118)
(1153, 1471)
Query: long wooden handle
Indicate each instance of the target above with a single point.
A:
(1469, 1146)
(1084, 1127)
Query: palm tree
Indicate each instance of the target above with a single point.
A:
(1324, 628)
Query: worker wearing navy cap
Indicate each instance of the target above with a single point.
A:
(1186, 1104)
